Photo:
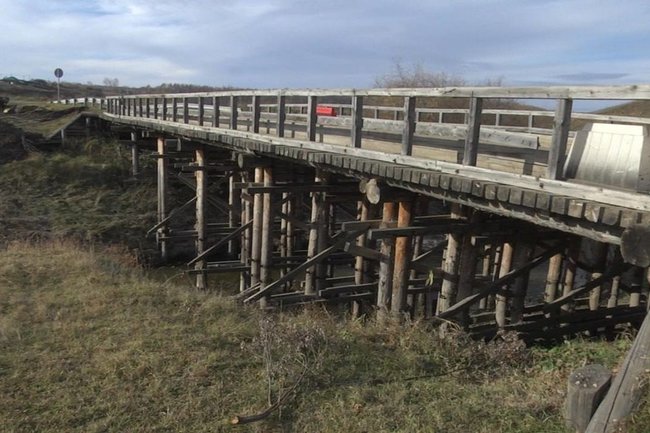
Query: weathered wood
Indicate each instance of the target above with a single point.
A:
(627, 388)
(600, 258)
(186, 110)
(553, 277)
(561, 127)
(401, 262)
(201, 113)
(282, 114)
(360, 264)
(216, 111)
(501, 305)
(318, 229)
(266, 255)
(256, 114)
(409, 125)
(522, 255)
(570, 269)
(312, 117)
(162, 195)
(473, 131)
(246, 237)
(386, 266)
(234, 102)
(256, 232)
(356, 131)
(234, 213)
(200, 224)
(451, 266)
(135, 155)
(586, 388)
(635, 245)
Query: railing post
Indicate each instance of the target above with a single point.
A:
(409, 125)
(357, 121)
(174, 110)
(186, 110)
(256, 114)
(233, 112)
(155, 108)
(201, 111)
(473, 131)
(147, 108)
(282, 114)
(140, 100)
(215, 111)
(561, 126)
(164, 109)
(312, 117)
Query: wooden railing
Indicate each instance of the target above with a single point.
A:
(403, 112)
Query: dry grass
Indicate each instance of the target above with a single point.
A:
(88, 343)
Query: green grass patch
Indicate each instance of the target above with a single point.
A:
(89, 343)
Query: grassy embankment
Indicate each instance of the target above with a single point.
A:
(88, 342)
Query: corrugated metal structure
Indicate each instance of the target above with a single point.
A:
(612, 155)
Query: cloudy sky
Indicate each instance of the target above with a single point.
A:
(330, 43)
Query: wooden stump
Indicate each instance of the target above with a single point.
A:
(586, 389)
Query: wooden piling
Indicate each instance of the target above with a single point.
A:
(162, 195)
(386, 265)
(402, 259)
(450, 267)
(570, 269)
(256, 240)
(501, 305)
(266, 245)
(600, 259)
(246, 236)
(553, 277)
(315, 275)
(200, 224)
(135, 155)
(360, 264)
(522, 255)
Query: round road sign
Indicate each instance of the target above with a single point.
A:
(58, 72)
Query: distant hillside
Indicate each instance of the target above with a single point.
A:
(634, 108)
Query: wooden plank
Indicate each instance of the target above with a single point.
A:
(408, 125)
(356, 131)
(216, 111)
(312, 117)
(282, 114)
(256, 114)
(473, 131)
(233, 112)
(561, 127)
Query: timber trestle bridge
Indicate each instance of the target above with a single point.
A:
(430, 203)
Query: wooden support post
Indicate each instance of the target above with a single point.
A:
(357, 121)
(386, 265)
(501, 306)
(233, 112)
(256, 241)
(174, 109)
(522, 255)
(312, 117)
(234, 214)
(135, 155)
(162, 195)
(155, 108)
(570, 269)
(186, 110)
(164, 108)
(201, 111)
(361, 264)
(553, 277)
(561, 127)
(402, 257)
(450, 267)
(409, 125)
(314, 276)
(473, 131)
(285, 225)
(216, 111)
(612, 301)
(586, 388)
(256, 114)
(282, 115)
(635, 287)
(266, 256)
(467, 265)
(600, 259)
(246, 237)
(201, 224)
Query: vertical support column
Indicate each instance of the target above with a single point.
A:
(467, 265)
(314, 276)
(162, 196)
(357, 121)
(256, 114)
(409, 125)
(522, 255)
(135, 155)
(286, 239)
(282, 114)
(501, 305)
(570, 269)
(234, 214)
(361, 264)
(174, 109)
(386, 265)
(201, 111)
(155, 108)
(402, 258)
(312, 117)
(553, 277)
(186, 110)
(233, 112)
(256, 241)
(246, 216)
(473, 131)
(451, 266)
(561, 126)
(164, 108)
(600, 260)
(216, 111)
(266, 256)
(200, 225)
